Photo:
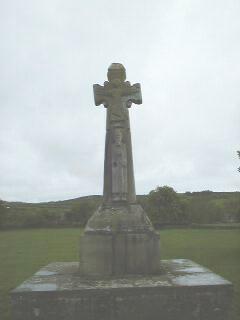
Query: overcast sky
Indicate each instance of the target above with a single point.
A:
(185, 54)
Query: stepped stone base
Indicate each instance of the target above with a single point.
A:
(183, 290)
(119, 240)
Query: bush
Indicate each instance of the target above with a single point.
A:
(80, 213)
(3, 213)
(166, 207)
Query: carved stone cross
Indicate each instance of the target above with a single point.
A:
(117, 95)
(119, 238)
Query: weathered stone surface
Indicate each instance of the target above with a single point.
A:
(131, 218)
(183, 290)
(119, 240)
(117, 96)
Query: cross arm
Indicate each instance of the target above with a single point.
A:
(101, 95)
(136, 94)
(133, 93)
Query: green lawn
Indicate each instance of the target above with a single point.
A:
(23, 252)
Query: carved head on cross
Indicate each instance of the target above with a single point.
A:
(116, 71)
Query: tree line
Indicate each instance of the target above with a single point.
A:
(166, 207)
(163, 205)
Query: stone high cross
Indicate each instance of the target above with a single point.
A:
(117, 95)
(119, 237)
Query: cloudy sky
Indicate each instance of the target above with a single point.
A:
(185, 54)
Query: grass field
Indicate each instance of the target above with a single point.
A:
(23, 252)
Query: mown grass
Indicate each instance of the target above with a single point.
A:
(23, 252)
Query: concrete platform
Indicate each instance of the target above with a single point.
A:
(183, 290)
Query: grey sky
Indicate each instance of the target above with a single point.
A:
(184, 53)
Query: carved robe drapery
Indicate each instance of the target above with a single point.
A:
(119, 172)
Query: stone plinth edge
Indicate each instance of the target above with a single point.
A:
(183, 290)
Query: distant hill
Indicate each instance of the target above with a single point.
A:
(52, 204)
(220, 194)
(199, 207)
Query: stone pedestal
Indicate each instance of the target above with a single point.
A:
(119, 240)
(182, 290)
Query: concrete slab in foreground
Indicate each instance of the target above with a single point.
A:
(183, 290)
